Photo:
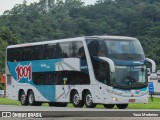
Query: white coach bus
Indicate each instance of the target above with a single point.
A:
(108, 70)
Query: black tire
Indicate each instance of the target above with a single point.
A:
(75, 99)
(23, 99)
(31, 100)
(57, 104)
(109, 106)
(122, 106)
(88, 100)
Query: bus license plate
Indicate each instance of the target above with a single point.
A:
(132, 100)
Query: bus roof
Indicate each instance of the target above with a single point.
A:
(72, 39)
(111, 37)
(46, 42)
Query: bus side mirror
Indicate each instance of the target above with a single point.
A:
(110, 62)
(153, 76)
(148, 71)
(153, 64)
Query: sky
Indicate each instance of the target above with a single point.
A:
(9, 4)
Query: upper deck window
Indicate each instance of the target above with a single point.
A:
(116, 49)
(46, 51)
(124, 49)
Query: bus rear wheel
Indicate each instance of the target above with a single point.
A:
(31, 99)
(109, 106)
(76, 100)
(122, 106)
(88, 100)
(23, 99)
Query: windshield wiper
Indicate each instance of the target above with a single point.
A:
(119, 86)
(142, 85)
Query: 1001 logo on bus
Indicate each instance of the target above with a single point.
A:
(23, 72)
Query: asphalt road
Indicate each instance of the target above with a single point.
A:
(60, 113)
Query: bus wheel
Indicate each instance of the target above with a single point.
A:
(76, 100)
(88, 100)
(122, 106)
(23, 99)
(56, 104)
(31, 100)
(109, 106)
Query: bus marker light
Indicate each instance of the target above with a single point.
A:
(115, 99)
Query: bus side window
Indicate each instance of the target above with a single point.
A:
(101, 70)
(73, 49)
(81, 53)
(58, 53)
(77, 50)
(93, 48)
(37, 52)
(17, 54)
(50, 51)
(63, 50)
(11, 54)
(96, 48)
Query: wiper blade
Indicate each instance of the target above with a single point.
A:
(142, 85)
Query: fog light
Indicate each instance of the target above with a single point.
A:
(114, 99)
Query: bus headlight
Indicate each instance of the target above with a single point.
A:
(114, 99)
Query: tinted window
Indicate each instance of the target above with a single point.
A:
(47, 51)
(96, 48)
(63, 51)
(58, 77)
(25, 53)
(76, 48)
(124, 50)
(37, 53)
(71, 49)
(101, 70)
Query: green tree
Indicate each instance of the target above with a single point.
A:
(55, 19)
(6, 38)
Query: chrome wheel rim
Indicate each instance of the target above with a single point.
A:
(76, 99)
(31, 98)
(89, 99)
(23, 99)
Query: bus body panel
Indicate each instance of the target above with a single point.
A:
(20, 75)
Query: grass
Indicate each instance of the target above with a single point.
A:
(155, 104)
(6, 101)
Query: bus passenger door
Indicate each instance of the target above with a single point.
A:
(102, 74)
(62, 89)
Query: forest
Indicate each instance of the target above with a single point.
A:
(56, 19)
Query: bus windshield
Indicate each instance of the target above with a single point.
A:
(129, 77)
(124, 50)
(125, 76)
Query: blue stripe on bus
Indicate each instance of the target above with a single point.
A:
(44, 65)
(47, 91)
(37, 66)
(128, 63)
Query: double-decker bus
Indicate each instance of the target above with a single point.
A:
(108, 70)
